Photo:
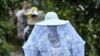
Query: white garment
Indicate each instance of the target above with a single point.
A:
(22, 21)
(38, 44)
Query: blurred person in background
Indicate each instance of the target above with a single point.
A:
(32, 18)
(21, 20)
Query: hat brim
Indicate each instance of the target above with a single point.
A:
(32, 13)
(29, 13)
(52, 22)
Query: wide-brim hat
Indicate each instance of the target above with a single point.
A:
(33, 11)
(51, 18)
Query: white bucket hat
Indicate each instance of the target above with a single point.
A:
(51, 18)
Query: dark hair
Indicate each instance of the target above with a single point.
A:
(22, 0)
(34, 15)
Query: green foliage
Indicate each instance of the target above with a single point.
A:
(3, 50)
(6, 33)
(7, 28)
(83, 14)
(7, 7)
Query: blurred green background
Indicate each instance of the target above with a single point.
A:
(83, 14)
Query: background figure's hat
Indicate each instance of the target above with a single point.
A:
(51, 18)
(33, 11)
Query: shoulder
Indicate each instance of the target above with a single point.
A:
(19, 12)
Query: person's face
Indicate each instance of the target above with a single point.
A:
(53, 34)
(25, 5)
